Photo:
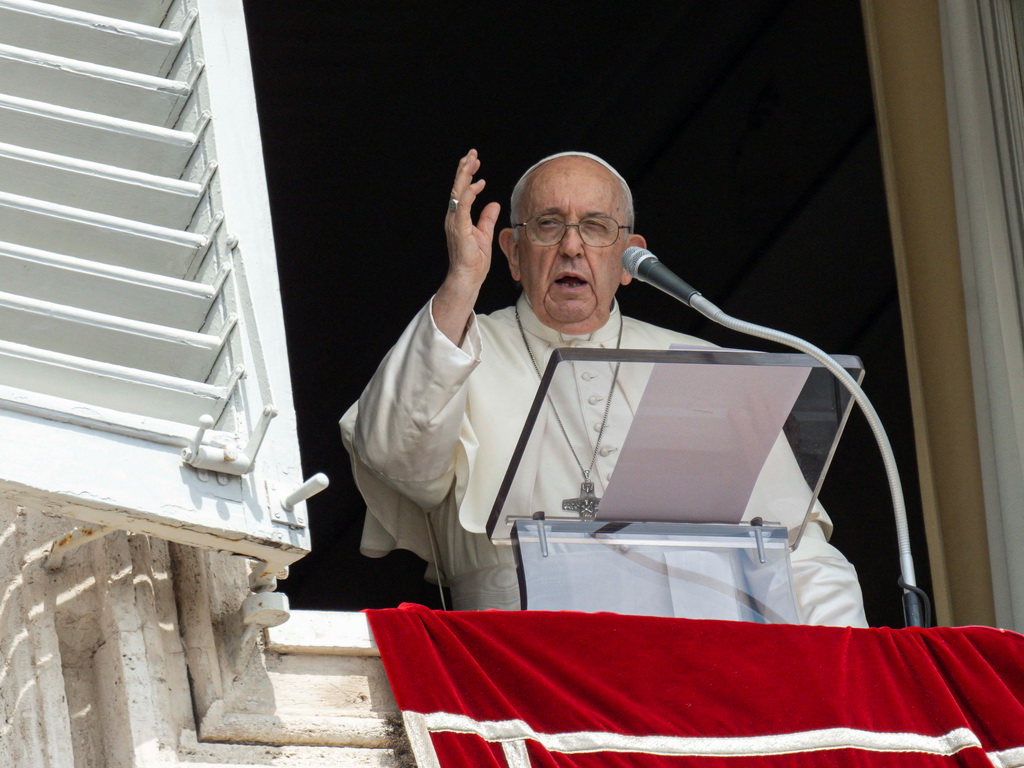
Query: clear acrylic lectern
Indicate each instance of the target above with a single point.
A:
(716, 473)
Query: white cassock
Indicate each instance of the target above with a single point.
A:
(434, 430)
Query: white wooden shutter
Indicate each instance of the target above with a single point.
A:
(138, 283)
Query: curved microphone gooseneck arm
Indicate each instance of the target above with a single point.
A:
(641, 264)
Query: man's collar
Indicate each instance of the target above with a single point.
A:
(606, 334)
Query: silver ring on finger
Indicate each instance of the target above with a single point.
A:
(453, 204)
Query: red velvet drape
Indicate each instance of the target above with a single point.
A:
(499, 688)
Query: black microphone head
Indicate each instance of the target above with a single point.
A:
(633, 256)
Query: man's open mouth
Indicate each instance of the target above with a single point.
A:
(570, 281)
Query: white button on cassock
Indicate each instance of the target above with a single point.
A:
(595, 399)
(587, 375)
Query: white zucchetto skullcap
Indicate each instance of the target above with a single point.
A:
(517, 191)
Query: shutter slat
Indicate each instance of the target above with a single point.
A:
(108, 338)
(97, 187)
(91, 87)
(149, 13)
(106, 289)
(88, 136)
(120, 389)
(99, 237)
(88, 36)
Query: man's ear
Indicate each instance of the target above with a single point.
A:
(639, 242)
(509, 246)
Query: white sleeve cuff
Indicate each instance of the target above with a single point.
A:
(471, 345)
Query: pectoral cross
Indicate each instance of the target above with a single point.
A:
(585, 504)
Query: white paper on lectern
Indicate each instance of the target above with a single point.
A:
(699, 440)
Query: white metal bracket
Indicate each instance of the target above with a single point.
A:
(287, 514)
(72, 541)
(228, 459)
(261, 609)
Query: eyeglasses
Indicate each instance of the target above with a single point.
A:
(595, 231)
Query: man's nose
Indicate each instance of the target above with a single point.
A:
(571, 244)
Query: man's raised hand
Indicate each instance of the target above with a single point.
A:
(469, 245)
(469, 251)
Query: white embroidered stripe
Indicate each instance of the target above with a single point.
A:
(736, 746)
(419, 740)
(1008, 758)
(515, 754)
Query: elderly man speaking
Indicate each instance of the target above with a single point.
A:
(433, 432)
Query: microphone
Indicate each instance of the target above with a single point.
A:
(644, 265)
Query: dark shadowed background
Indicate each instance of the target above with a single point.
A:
(745, 128)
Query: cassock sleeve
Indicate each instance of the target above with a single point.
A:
(825, 583)
(403, 434)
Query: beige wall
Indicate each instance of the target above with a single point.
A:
(132, 653)
(905, 52)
